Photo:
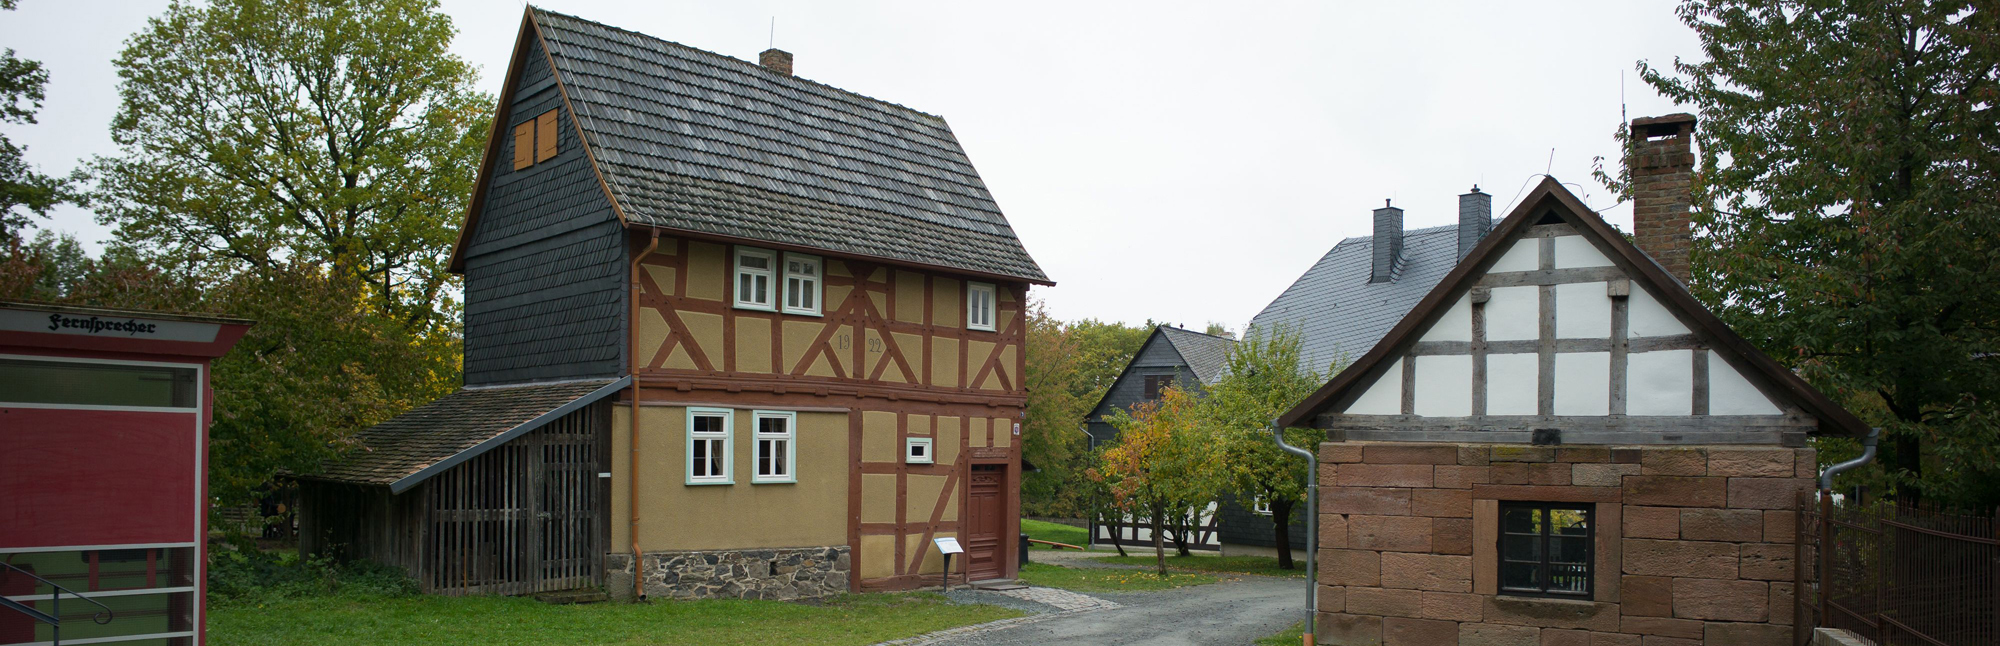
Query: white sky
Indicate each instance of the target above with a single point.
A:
(1179, 162)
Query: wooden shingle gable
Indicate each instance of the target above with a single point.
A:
(1487, 356)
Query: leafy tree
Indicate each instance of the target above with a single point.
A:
(1263, 380)
(1070, 365)
(1162, 463)
(257, 133)
(21, 186)
(1846, 221)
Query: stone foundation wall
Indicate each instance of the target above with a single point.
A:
(779, 574)
(1693, 544)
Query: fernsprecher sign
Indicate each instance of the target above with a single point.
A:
(16, 320)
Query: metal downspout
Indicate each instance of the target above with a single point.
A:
(1867, 455)
(1312, 527)
(632, 436)
(1825, 528)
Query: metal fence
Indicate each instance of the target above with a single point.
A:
(1897, 574)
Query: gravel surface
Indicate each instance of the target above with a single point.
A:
(1235, 612)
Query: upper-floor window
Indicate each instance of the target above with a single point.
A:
(802, 292)
(979, 306)
(535, 141)
(1545, 549)
(709, 444)
(776, 446)
(1155, 384)
(755, 271)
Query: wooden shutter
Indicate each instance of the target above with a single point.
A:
(545, 136)
(524, 146)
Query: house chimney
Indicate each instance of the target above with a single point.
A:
(1475, 219)
(776, 60)
(1387, 246)
(1662, 166)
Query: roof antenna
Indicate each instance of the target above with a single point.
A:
(1552, 162)
(1621, 97)
(774, 34)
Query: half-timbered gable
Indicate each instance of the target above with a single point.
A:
(808, 296)
(1170, 356)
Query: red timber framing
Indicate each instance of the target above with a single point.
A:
(860, 369)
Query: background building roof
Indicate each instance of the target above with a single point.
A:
(1339, 315)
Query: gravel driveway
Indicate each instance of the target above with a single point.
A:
(1237, 611)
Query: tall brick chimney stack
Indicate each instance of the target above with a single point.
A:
(776, 60)
(1662, 166)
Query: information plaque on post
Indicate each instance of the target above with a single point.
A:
(947, 546)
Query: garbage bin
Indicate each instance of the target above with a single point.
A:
(1024, 549)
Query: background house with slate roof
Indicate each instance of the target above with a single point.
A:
(1170, 357)
(808, 295)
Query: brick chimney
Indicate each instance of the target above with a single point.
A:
(1387, 246)
(1662, 166)
(1475, 219)
(776, 60)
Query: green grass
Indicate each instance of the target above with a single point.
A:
(432, 620)
(1291, 637)
(1057, 532)
(1260, 565)
(1107, 580)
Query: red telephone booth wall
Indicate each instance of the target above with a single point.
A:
(103, 440)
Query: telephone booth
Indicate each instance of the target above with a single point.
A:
(104, 420)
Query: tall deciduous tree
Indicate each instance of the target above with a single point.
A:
(1264, 379)
(1850, 159)
(22, 188)
(1070, 365)
(1163, 463)
(256, 133)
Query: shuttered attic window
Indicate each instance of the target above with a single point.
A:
(536, 141)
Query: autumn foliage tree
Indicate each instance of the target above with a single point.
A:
(1163, 463)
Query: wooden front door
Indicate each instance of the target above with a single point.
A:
(985, 522)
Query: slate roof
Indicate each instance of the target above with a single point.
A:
(1207, 356)
(1339, 315)
(693, 140)
(457, 427)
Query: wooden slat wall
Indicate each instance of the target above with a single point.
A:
(525, 517)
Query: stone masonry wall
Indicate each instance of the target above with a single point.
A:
(771, 574)
(1694, 544)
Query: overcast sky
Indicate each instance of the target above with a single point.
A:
(1181, 163)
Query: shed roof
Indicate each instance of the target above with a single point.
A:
(436, 436)
(691, 140)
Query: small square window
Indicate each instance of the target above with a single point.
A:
(802, 291)
(755, 269)
(979, 306)
(1546, 549)
(1156, 384)
(777, 446)
(1261, 506)
(917, 450)
(709, 446)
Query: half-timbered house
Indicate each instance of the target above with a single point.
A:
(808, 296)
(1559, 444)
(1170, 357)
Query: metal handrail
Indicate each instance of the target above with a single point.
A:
(54, 617)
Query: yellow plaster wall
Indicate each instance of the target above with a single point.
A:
(919, 425)
(676, 516)
(976, 353)
(944, 363)
(705, 330)
(978, 428)
(878, 557)
(947, 307)
(798, 338)
(663, 276)
(923, 497)
(753, 345)
(933, 561)
(708, 271)
(1003, 431)
(878, 498)
(909, 297)
(948, 431)
(652, 332)
(679, 359)
(878, 437)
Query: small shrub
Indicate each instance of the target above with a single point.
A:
(257, 576)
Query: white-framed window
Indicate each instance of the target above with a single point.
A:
(777, 446)
(802, 292)
(709, 445)
(756, 270)
(979, 306)
(917, 450)
(1260, 505)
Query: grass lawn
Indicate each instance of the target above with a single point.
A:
(1057, 532)
(1291, 637)
(432, 620)
(1106, 580)
(1232, 564)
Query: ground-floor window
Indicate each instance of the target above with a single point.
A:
(708, 446)
(776, 442)
(1545, 549)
